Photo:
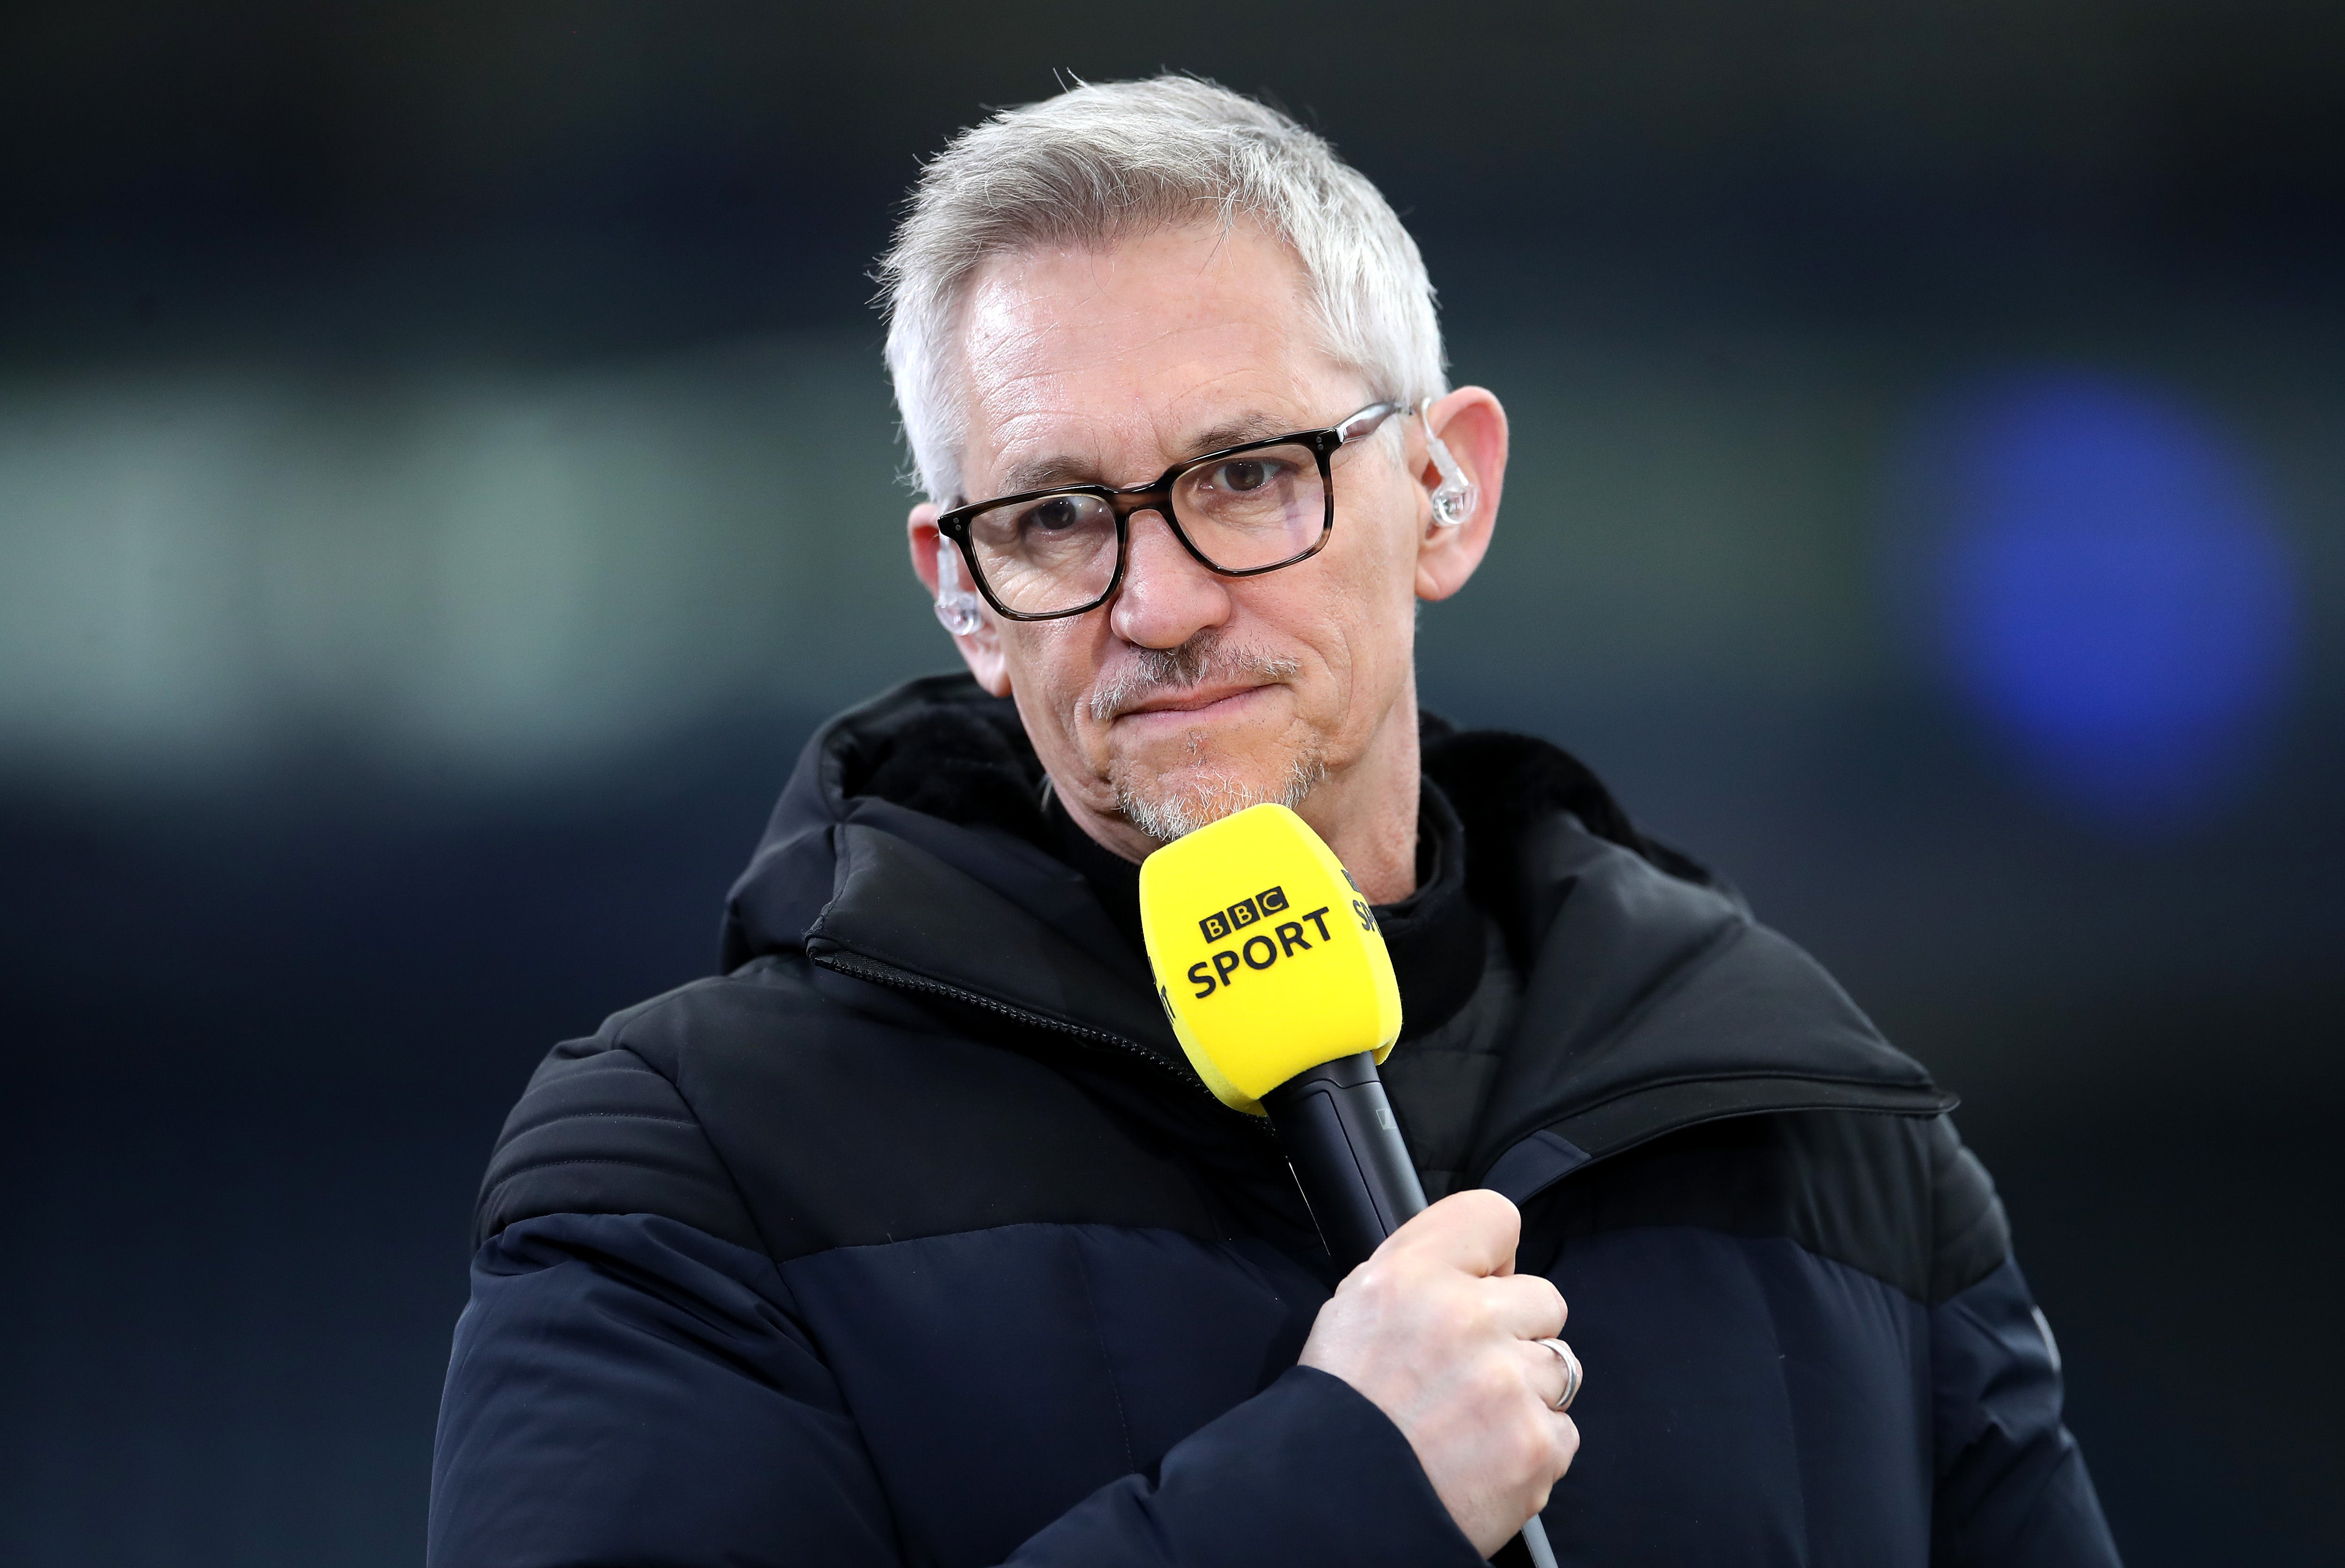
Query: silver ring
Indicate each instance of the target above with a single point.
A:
(1571, 1369)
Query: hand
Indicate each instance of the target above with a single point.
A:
(1436, 1331)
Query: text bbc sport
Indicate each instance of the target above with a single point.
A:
(1244, 912)
(1260, 951)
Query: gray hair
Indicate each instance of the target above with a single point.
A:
(1100, 162)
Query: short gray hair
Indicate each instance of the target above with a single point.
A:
(1100, 162)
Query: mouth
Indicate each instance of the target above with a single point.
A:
(1196, 703)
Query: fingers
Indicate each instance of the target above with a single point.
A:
(1554, 1372)
(1438, 1333)
(1566, 1449)
(1474, 1231)
(1557, 1444)
(1525, 1306)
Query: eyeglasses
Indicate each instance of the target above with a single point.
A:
(1240, 511)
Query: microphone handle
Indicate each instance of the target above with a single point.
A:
(1345, 1148)
(1339, 1134)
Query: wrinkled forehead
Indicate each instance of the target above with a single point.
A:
(1106, 364)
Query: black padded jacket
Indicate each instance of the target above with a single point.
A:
(913, 1240)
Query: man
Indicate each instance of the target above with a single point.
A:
(913, 1238)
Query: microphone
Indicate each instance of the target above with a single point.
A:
(1269, 962)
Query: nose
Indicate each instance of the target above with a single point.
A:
(1167, 597)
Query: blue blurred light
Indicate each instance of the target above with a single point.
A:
(2105, 585)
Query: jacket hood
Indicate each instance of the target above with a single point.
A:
(909, 849)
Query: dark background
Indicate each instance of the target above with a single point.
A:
(445, 474)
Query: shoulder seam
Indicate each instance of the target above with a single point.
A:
(496, 1181)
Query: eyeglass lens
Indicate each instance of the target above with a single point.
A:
(1053, 553)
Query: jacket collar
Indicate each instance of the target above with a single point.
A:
(911, 848)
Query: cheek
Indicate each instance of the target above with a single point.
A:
(1375, 593)
(1051, 665)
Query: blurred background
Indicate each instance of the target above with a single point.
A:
(446, 472)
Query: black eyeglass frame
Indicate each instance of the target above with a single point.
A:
(1157, 497)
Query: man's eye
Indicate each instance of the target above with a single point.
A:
(1239, 475)
(1055, 515)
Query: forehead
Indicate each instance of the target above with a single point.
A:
(1118, 358)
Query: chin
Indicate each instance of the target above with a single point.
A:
(1170, 801)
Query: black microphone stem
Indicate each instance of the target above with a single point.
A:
(1339, 1134)
(1347, 1151)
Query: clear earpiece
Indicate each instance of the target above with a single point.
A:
(1453, 498)
(960, 611)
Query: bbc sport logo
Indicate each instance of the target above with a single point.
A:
(1244, 913)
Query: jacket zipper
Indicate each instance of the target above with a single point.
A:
(901, 981)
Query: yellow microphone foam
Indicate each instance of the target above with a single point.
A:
(1267, 956)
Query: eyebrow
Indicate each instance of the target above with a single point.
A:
(1042, 473)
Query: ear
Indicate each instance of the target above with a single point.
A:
(980, 649)
(1473, 426)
